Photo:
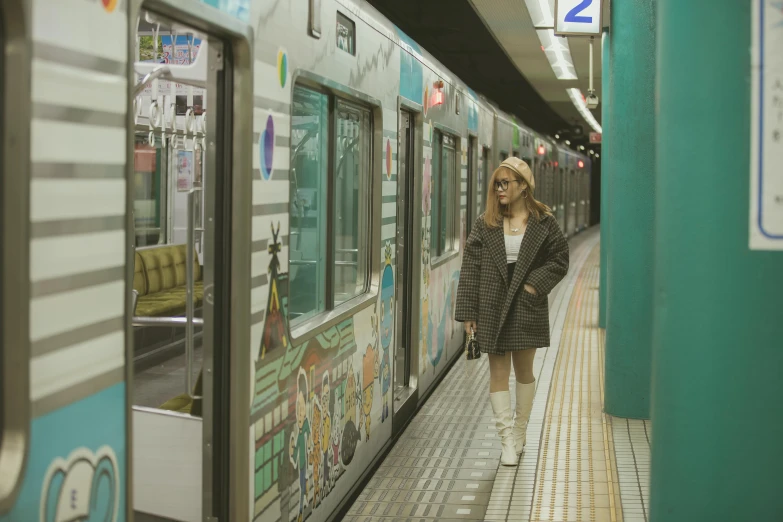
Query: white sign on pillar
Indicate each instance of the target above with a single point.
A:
(578, 17)
(766, 128)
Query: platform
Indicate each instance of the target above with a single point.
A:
(579, 464)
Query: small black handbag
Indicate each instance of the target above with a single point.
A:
(472, 351)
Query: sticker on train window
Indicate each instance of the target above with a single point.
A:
(346, 34)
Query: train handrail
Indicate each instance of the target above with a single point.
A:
(165, 321)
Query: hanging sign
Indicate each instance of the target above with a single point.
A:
(766, 128)
(595, 137)
(578, 17)
(184, 170)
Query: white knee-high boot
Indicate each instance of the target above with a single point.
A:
(501, 407)
(525, 394)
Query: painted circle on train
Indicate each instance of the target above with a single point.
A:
(388, 159)
(266, 148)
(109, 5)
(282, 67)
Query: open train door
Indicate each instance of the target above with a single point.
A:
(190, 191)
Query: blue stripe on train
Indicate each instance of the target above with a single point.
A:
(76, 465)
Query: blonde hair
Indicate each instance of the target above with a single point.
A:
(495, 212)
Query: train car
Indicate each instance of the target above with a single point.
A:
(245, 231)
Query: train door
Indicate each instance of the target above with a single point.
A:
(408, 242)
(473, 184)
(191, 262)
(561, 198)
(571, 202)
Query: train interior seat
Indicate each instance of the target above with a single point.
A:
(159, 277)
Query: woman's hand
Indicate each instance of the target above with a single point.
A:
(530, 290)
(470, 326)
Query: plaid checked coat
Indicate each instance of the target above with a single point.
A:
(508, 317)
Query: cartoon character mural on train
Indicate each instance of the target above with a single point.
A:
(316, 403)
(387, 328)
(84, 487)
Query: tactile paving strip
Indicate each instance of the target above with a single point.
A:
(446, 463)
(576, 476)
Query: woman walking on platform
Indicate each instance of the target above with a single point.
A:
(514, 257)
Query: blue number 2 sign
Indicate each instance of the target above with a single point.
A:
(573, 14)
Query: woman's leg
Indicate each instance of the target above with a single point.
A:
(499, 372)
(523, 365)
(525, 391)
(500, 398)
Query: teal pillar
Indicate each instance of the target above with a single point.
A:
(606, 97)
(717, 421)
(629, 275)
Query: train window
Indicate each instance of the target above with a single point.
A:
(503, 155)
(330, 203)
(168, 162)
(444, 181)
(309, 168)
(346, 34)
(350, 235)
(181, 104)
(515, 153)
(150, 192)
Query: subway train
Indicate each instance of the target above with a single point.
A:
(232, 236)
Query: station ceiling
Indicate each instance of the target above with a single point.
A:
(493, 46)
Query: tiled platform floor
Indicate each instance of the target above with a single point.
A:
(632, 449)
(446, 464)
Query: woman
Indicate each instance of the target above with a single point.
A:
(514, 256)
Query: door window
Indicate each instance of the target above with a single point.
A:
(443, 195)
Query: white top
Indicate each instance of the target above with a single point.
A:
(513, 244)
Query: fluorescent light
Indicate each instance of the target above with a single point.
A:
(558, 53)
(578, 101)
(542, 13)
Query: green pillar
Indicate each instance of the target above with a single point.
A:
(631, 135)
(717, 419)
(605, 105)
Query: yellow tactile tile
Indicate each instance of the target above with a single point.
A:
(576, 473)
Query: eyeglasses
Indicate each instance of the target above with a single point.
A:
(503, 184)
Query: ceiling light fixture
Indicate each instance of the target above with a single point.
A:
(558, 53)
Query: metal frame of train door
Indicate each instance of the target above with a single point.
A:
(14, 260)
(226, 426)
(410, 238)
(472, 206)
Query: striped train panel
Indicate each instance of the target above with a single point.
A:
(78, 245)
